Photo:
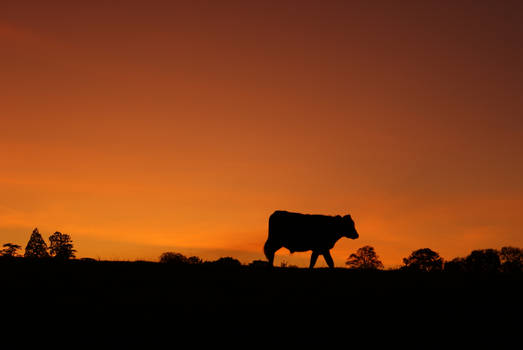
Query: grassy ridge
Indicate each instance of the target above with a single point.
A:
(107, 291)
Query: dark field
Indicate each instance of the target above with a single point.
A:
(140, 294)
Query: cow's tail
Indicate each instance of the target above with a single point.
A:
(266, 249)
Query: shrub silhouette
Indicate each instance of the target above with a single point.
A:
(365, 258)
(227, 262)
(194, 260)
(259, 263)
(173, 258)
(61, 246)
(10, 250)
(36, 246)
(483, 260)
(284, 264)
(456, 265)
(423, 260)
(511, 259)
(180, 259)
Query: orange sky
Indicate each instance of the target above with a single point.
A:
(140, 127)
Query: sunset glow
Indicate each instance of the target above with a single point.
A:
(140, 127)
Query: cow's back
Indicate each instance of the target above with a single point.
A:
(301, 232)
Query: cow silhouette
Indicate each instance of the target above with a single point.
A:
(302, 232)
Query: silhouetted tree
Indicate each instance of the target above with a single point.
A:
(511, 259)
(259, 263)
(424, 260)
(36, 246)
(10, 250)
(227, 262)
(61, 246)
(364, 258)
(483, 260)
(456, 265)
(194, 260)
(173, 258)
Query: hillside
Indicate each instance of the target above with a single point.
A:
(143, 290)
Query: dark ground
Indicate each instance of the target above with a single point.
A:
(141, 295)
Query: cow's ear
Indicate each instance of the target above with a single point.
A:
(347, 217)
(337, 217)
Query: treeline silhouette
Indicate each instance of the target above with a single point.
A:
(507, 259)
(46, 285)
(60, 247)
(173, 258)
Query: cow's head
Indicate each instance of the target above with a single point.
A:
(348, 229)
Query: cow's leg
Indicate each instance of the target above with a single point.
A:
(328, 259)
(314, 257)
(269, 251)
(270, 257)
